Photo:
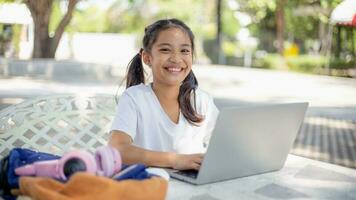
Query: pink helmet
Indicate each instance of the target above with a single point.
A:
(107, 162)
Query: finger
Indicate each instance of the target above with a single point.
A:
(195, 166)
(198, 160)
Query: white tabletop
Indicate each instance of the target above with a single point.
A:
(300, 178)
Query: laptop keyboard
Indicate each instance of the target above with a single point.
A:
(189, 173)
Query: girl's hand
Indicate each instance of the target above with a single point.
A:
(187, 161)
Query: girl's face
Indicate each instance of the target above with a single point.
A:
(171, 57)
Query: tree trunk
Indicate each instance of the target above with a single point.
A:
(322, 36)
(41, 12)
(352, 43)
(218, 32)
(338, 42)
(280, 25)
(45, 46)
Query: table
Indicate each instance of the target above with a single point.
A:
(300, 178)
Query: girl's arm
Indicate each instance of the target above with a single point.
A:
(131, 154)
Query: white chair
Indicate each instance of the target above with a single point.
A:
(57, 123)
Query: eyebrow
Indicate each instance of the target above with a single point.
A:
(167, 44)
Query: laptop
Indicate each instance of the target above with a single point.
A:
(247, 141)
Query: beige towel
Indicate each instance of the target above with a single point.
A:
(83, 186)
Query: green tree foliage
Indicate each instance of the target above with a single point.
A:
(230, 24)
(131, 16)
(126, 16)
(305, 20)
(92, 19)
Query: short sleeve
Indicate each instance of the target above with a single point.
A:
(126, 116)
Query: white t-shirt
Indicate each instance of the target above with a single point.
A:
(140, 115)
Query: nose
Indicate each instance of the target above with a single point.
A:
(175, 58)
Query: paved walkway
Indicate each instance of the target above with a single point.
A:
(328, 132)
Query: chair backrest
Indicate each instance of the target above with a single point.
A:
(57, 123)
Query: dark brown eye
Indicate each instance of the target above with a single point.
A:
(185, 51)
(164, 50)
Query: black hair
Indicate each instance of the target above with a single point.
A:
(136, 74)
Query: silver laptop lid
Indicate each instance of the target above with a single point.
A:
(251, 140)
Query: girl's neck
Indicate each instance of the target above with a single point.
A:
(164, 92)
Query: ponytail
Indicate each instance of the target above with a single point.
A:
(186, 90)
(135, 73)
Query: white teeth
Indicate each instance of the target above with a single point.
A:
(174, 69)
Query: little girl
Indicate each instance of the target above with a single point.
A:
(166, 123)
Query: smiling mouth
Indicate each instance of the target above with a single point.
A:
(174, 69)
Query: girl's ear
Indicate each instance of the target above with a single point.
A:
(146, 57)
